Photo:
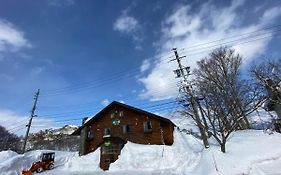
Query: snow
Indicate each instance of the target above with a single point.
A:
(245, 150)
(251, 152)
(184, 152)
(4, 155)
(67, 130)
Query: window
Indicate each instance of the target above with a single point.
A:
(90, 135)
(112, 115)
(106, 131)
(126, 129)
(147, 126)
(121, 113)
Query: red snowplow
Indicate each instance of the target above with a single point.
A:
(46, 163)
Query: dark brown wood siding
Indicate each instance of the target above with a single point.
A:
(135, 120)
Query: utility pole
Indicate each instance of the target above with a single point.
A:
(30, 120)
(184, 72)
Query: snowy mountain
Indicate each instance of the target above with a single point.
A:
(55, 139)
(248, 152)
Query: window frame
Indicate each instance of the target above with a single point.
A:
(107, 131)
(90, 135)
(121, 113)
(147, 126)
(125, 129)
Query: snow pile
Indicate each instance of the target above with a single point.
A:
(180, 158)
(4, 155)
(87, 163)
(262, 119)
(64, 162)
(248, 152)
(18, 162)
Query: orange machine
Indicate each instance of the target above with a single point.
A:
(47, 163)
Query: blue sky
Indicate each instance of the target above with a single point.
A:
(84, 54)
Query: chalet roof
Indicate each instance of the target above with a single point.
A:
(115, 103)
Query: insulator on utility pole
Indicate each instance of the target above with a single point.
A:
(30, 120)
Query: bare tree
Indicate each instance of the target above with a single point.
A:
(268, 76)
(228, 98)
(8, 141)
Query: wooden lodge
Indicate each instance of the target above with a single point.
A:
(118, 123)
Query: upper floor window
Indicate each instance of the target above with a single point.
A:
(121, 113)
(147, 126)
(106, 131)
(112, 115)
(90, 135)
(126, 129)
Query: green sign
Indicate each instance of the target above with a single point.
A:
(115, 121)
(107, 143)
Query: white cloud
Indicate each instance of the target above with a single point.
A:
(270, 15)
(122, 101)
(145, 65)
(184, 29)
(105, 102)
(138, 48)
(16, 124)
(129, 25)
(126, 24)
(11, 39)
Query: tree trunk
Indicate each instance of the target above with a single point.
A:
(205, 139)
(223, 146)
(201, 127)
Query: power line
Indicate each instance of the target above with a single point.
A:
(17, 127)
(152, 92)
(169, 86)
(57, 115)
(241, 43)
(118, 74)
(99, 82)
(153, 108)
(80, 118)
(21, 121)
(233, 36)
(5, 137)
(117, 77)
(251, 40)
(237, 40)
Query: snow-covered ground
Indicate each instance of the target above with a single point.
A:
(248, 152)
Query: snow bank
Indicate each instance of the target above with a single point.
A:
(180, 158)
(248, 152)
(244, 151)
(4, 155)
(18, 162)
(87, 163)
